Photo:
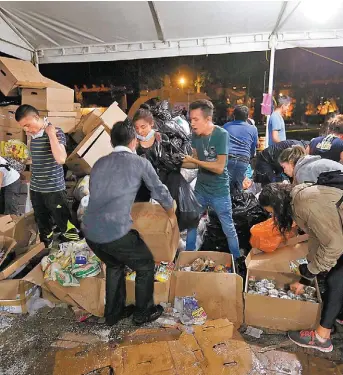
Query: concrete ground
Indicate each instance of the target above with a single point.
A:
(42, 345)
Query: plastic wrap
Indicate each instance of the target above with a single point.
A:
(82, 188)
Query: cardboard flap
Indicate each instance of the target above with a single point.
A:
(6, 245)
(150, 217)
(278, 260)
(36, 276)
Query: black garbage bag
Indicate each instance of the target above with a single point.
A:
(189, 209)
(246, 212)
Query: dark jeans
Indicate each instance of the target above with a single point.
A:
(9, 199)
(50, 208)
(132, 251)
(266, 173)
(333, 297)
(236, 169)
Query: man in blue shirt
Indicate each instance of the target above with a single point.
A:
(243, 139)
(276, 125)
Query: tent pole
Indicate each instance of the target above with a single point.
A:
(36, 60)
(272, 46)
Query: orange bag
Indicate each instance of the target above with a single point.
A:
(266, 237)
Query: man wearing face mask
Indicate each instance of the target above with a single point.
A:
(47, 185)
(107, 225)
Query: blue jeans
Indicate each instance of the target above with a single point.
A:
(223, 208)
(236, 169)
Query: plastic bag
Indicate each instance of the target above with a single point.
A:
(266, 237)
(82, 188)
(189, 208)
(82, 208)
(81, 271)
(189, 174)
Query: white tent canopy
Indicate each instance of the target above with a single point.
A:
(85, 31)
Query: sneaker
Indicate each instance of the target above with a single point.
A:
(48, 243)
(71, 235)
(308, 339)
(151, 315)
(339, 321)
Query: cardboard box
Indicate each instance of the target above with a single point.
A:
(56, 98)
(220, 294)
(18, 73)
(63, 120)
(20, 260)
(15, 295)
(7, 133)
(89, 151)
(90, 295)
(7, 116)
(95, 118)
(153, 225)
(22, 229)
(275, 313)
(161, 292)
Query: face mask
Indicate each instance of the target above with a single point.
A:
(41, 132)
(148, 137)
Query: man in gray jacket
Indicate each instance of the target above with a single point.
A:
(114, 182)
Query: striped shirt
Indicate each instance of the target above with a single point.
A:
(47, 175)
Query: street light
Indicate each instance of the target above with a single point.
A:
(182, 82)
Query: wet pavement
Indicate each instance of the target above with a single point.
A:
(51, 342)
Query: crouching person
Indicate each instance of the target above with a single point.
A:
(114, 182)
(47, 185)
(9, 189)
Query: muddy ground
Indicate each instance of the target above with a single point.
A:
(40, 345)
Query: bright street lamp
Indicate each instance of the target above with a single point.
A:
(182, 82)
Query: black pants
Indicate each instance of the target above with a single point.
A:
(9, 199)
(333, 297)
(129, 250)
(50, 208)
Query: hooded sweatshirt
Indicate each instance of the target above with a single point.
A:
(310, 167)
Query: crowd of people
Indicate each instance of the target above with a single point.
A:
(295, 177)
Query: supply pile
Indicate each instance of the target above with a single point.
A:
(163, 272)
(206, 265)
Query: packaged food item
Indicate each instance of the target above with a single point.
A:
(191, 312)
(82, 271)
(198, 265)
(81, 257)
(131, 276)
(163, 271)
(65, 278)
(220, 268)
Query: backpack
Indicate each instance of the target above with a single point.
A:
(332, 179)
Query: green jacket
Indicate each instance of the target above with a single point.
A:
(315, 211)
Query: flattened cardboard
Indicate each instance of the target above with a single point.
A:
(90, 295)
(276, 313)
(161, 292)
(21, 261)
(26, 232)
(220, 294)
(7, 245)
(7, 226)
(153, 225)
(55, 99)
(15, 73)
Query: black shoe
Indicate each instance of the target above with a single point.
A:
(126, 313)
(71, 235)
(48, 243)
(151, 315)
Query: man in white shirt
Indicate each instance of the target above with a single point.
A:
(9, 189)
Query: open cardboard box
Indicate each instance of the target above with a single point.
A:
(18, 73)
(220, 294)
(20, 260)
(94, 146)
(7, 133)
(22, 229)
(90, 295)
(15, 295)
(276, 313)
(153, 224)
(95, 118)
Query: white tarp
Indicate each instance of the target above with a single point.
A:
(70, 31)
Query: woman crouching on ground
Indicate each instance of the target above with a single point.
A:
(316, 210)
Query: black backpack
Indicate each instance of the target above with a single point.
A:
(332, 179)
